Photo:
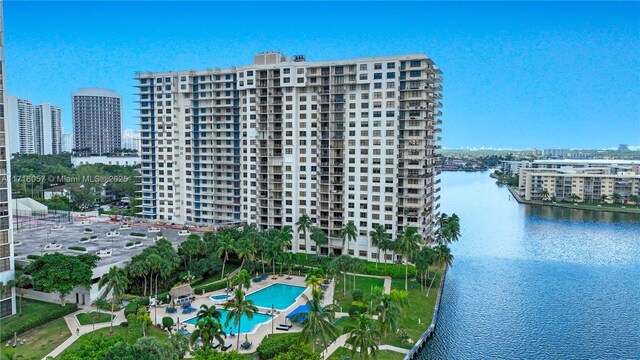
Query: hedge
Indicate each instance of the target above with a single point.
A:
(94, 236)
(211, 287)
(396, 271)
(84, 238)
(131, 308)
(77, 248)
(274, 345)
(33, 257)
(35, 320)
(138, 234)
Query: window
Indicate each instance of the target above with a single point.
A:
(391, 75)
(377, 66)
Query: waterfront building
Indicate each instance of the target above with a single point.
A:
(97, 121)
(590, 181)
(7, 270)
(343, 140)
(34, 129)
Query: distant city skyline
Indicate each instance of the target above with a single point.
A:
(516, 75)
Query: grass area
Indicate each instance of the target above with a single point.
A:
(118, 332)
(34, 314)
(363, 283)
(215, 277)
(420, 308)
(344, 353)
(41, 340)
(341, 322)
(93, 318)
(30, 308)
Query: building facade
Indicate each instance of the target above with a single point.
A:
(131, 140)
(345, 140)
(34, 129)
(590, 181)
(106, 160)
(67, 142)
(7, 270)
(97, 121)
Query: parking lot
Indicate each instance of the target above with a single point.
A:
(34, 241)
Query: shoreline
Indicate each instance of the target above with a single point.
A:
(520, 200)
(434, 319)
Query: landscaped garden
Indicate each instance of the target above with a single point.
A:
(38, 342)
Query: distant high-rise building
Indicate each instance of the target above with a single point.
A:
(623, 148)
(7, 295)
(67, 143)
(341, 141)
(34, 129)
(48, 129)
(21, 126)
(131, 140)
(97, 121)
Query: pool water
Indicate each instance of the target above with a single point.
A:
(281, 296)
(246, 325)
(219, 297)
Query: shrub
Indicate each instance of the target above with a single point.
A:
(129, 244)
(84, 238)
(131, 308)
(35, 320)
(274, 345)
(357, 295)
(33, 257)
(396, 271)
(138, 242)
(167, 323)
(124, 324)
(77, 248)
(94, 236)
(138, 234)
(357, 308)
(302, 352)
(211, 287)
(88, 230)
(103, 304)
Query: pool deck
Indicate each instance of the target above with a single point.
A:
(263, 329)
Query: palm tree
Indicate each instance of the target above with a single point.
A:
(208, 311)
(207, 329)
(144, 318)
(245, 250)
(115, 281)
(315, 281)
(355, 265)
(634, 199)
(225, 246)
(242, 279)
(20, 281)
(349, 232)
(443, 257)
(389, 313)
(341, 264)
(304, 225)
(288, 260)
(363, 335)
(272, 251)
(319, 238)
(573, 197)
(603, 198)
(423, 259)
(378, 236)
(318, 321)
(238, 308)
(616, 198)
(407, 242)
(545, 194)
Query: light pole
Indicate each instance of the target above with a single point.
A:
(273, 316)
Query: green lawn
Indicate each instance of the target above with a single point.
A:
(30, 308)
(93, 318)
(42, 340)
(215, 277)
(362, 282)
(420, 308)
(344, 353)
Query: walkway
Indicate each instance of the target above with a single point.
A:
(72, 324)
(342, 342)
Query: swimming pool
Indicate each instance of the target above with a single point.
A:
(246, 325)
(281, 296)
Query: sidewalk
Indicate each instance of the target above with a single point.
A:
(72, 324)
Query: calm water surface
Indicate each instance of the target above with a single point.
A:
(533, 282)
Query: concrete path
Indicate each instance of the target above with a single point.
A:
(72, 324)
(393, 348)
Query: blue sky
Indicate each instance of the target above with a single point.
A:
(515, 74)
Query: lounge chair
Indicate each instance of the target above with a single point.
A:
(285, 325)
(283, 328)
(226, 347)
(246, 346)
(216, 345)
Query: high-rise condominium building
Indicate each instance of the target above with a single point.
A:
(48, 120)
(7, 294)
(131, 140)
(344, 140)
(34, 129)
(67, 142)
(97, 121)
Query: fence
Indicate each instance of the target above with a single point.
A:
(29, 219)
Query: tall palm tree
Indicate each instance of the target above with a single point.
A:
(389, 312)
(318, 321)
(238, 308)
(207, 329)
(423, 259)
(319, 238)
(242, 279)
(634, 199)
(304, 225)
(341, 264)
(378, 236)
(407, 242)
(355, 265)
(363, 335)
(115, 281)
(315, 281)
(225, 246)
(272, 252)
(245, 250)
(208, 311)
(144, 318)
(349, 232)
(288, 260)
(545, 194)
(443, 257)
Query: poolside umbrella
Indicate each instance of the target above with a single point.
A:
(302, 309)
